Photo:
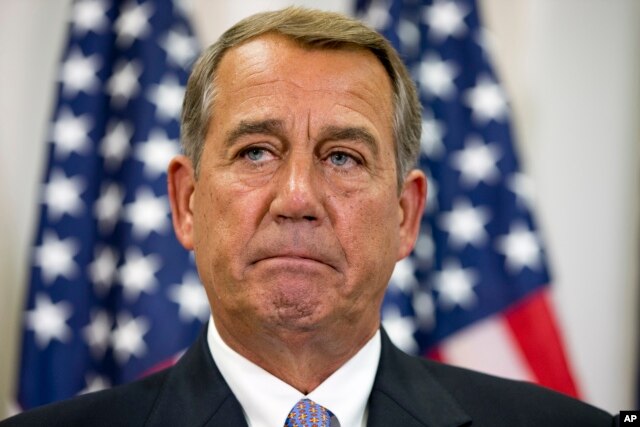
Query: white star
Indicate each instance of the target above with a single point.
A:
(167, 96)
(522, 186)
(156, 153)
(137, 274)
(108, 207)
(445, 18)
(432, 133)
(123, 83)
(133, 23)
(424, 308)
(70, 133)
(465, 224)
(89, 15)
(455, 285)
(409, 35)
(477, 162)
(79, 73)
(403, 277)
(521, 248)
(116, 144)
(147, 213)
(377, 14)
(487, 100)
(49, 321)
(181, 48)
(400, 329)
(425, 248)
(191, 298)
(55, 257)
(62, 195)
(95, 383)
(98, 333)
(436, 77)
(432, 194)
(127, 338)
(102, 270)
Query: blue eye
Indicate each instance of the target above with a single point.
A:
(255, 154)
(339, 159)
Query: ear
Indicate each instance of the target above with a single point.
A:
(412, 200)
(181, 185)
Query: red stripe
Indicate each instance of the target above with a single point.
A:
(535, 330)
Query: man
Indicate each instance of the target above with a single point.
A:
(297, 195)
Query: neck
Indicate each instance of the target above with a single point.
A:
(301, 358)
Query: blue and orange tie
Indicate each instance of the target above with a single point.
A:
(307, 413)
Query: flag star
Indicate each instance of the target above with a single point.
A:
(156, 153)
(455, 286)
(95, 383)
(409, 35)
(400, 329)
(425, 248)
(97, 333)
(432, 194)
(403, 277)
(487, 101)
(79, 73)
(127, 338)
(89, 15)
(465, 224)
(522, 186)
(147, 213)
(445, 18)
(55, 257)
(124, 83)
(521, 247)
(116, 144)
(377, 14)
(137, 274)
(62, 195)
(103, 269)
(425, 310)
(133, 23)
(436, 77)
(477, 162)
(49, 321)
(432, 133)
(167, 96)
(191, 298)
(181, 48)
(70, 133)
(108, 207)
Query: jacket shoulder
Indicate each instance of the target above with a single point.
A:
(125, 405)
(500, 401)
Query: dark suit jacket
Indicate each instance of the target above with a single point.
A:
(407, 391)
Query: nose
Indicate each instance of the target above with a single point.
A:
(297, 193)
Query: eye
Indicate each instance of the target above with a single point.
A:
(339, 158)
(255, 154)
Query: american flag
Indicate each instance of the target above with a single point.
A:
(112, 293)
(474, 291)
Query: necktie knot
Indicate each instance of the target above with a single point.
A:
(307, 413)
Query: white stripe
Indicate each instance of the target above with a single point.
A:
(487, 346)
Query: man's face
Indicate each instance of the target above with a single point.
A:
(297, 220)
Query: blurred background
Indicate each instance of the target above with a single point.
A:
(571, 69)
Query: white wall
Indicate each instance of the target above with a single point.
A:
(572, 69)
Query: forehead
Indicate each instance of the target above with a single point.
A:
(273, 62)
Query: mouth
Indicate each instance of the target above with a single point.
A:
(294, 260)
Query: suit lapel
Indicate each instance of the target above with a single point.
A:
(405, 393)
(195, 393)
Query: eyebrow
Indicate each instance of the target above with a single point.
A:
(336, 133)
(261, 127)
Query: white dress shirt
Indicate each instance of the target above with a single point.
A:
(266, 400)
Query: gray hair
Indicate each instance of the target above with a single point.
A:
(315, 29)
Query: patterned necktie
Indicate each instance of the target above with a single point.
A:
(307, 413)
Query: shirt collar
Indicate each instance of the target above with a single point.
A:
(266, 400)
